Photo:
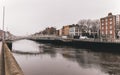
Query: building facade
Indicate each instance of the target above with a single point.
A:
(74, 30)
(65, 30)
(60, 32)
(109, 27)
(49, 31)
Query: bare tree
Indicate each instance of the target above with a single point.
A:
(89, 25)
(95, 27)
(82, 22)
(82, 26)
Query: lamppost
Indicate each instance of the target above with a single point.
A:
(3, 23)
(3, 38)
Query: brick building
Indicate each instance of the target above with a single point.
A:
(49, 31)
(110, 26)
(65, 30)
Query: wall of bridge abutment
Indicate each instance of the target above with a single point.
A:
(9, 44)
(11, 67)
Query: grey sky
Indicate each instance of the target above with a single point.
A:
(30, 16)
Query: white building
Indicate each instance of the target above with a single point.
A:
(74, 30)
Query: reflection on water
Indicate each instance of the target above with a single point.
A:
(25, 45)
(45, 59)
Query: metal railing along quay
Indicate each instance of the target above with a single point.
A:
(9, 65)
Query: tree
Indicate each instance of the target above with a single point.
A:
(89, 25)
(95, 27)
(82, 26)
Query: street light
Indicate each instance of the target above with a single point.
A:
(2, 51)
(3, 23)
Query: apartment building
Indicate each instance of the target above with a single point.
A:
(110, 27)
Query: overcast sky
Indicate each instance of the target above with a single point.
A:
(29, 16)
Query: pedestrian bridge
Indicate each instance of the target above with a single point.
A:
(8, 64)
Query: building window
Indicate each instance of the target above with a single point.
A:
(76, 29)
(110, 27)
(110, 22)
(110, 31)
(106, 32)
(102, 20)
(110, 19)
(117, 17)
(106, 27)
(102, 24)
(106, 23)
(102, 28)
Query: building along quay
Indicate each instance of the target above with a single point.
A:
(102, 34)
(94, 44)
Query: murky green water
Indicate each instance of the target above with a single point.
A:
(45, 59)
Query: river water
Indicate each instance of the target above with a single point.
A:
(45, 59)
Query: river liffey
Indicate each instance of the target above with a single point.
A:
(45, 59)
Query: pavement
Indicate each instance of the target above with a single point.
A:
(11, 65)
(0, 57)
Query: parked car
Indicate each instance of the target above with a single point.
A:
(83, 37)
(64, 37)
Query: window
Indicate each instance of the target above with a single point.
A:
(106, 23)
(102, 20)
(102, 23)
(110, 27)
(76, 29)
(110, 31)
(117, 17)
(71, 29)
(110, 22)
(102, 28)
(110, 19)
(106, 27)
(106, 32)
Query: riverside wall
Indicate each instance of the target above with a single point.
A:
(84, 44)
(11, 65)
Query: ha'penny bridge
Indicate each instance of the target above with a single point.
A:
(8, 64)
